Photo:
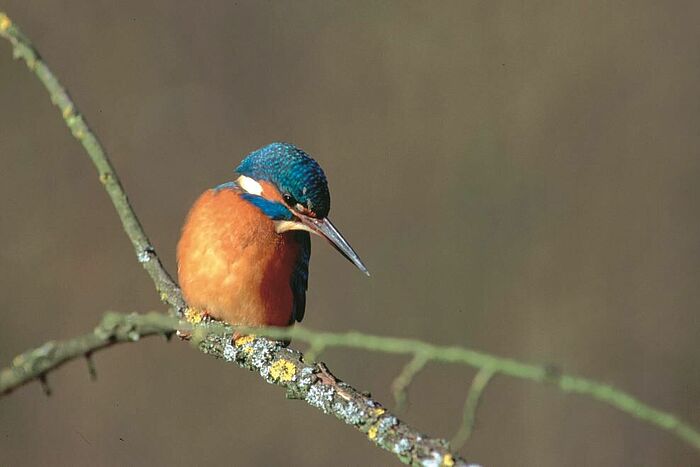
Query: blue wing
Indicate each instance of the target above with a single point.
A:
(300, 276)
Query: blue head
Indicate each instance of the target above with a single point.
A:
(301, 184)
(299, 178)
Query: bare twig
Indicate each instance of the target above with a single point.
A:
(263, 356)
(410, 446)
(405, 378)
(479, 383)
(311, 382)
(459, 355)
(114, 329)
(314, 352)
(146, 254)
(92, 371)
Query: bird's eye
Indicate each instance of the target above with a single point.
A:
(289, 199)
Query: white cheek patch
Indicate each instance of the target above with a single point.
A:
(249, 185)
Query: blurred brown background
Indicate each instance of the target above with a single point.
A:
(520, 177)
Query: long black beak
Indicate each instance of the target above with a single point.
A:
(325, 228)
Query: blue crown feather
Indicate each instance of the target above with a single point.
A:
(296, 175)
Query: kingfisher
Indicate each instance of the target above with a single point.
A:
(243, 254)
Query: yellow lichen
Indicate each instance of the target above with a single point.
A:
(68, 111)
(243, 340)
(374, 429)
(5, 22)
(193, 316)
(283, 370)
(448, 460)
(372, 433)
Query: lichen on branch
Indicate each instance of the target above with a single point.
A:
(274, 362)
(277, 364)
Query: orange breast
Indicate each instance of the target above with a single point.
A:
(233, 265)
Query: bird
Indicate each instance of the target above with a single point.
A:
(244, 249)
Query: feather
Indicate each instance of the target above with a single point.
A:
(300, 276)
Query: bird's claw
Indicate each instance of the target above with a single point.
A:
(192, 316)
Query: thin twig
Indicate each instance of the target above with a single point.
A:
(113, 329)
(44, 380)
(314, 352)
(92, 371)
(508, 367)
(145, 252)
(405, 378)
(414, 447)
(417, 448)
(479, 383)
(285, 367)
(171, 294)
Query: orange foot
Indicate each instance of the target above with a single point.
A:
(192, 316)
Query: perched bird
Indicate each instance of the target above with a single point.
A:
(243, 256)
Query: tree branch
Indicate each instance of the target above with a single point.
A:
(479, 383)
(146, 254)
(385, 430)
(422, 351)
(311, 382)
(405, 378)
(114, 329)
(277, 364)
